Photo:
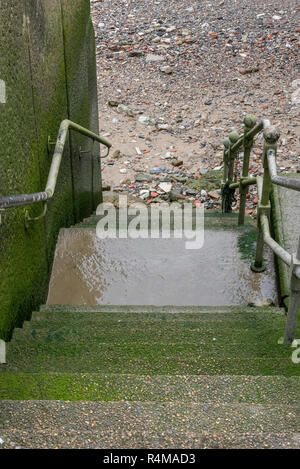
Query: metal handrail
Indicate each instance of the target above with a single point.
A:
(271, 136)
(276, 248)
(232, 144)
(48, 193)
(289, 183)
(249, 134)
(231, 147)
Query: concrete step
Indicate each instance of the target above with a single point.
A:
(152, 358)
(159, 312)
(212, 220)
(74, 438)
(92, 271)
(159, 388)
(143, 424)
(260, 335)
(155, 343)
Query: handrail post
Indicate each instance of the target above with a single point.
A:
(271, 136)
(233, 137)
(229, 158)
(226, 144)
(249, 122)
(294, 300)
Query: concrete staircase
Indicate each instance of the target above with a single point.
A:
(132, 376)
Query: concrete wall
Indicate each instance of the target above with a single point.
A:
(285, 223)
(47, 63)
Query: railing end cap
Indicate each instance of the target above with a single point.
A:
(226, 142)
(271, 135)
(233, 137)
(250, 121)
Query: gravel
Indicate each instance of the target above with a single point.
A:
(189, 72)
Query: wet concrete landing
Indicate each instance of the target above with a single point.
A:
(90, 271)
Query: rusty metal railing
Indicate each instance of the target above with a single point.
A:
(270, 177)
(48, 193)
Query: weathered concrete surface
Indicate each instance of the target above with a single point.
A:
(40, 92)
(51, 424)
(50, 105)
(77, 30)
(90, 271)
(286, 225)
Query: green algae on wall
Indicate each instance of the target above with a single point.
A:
(35, 58)
(23, 261)
(77, 36)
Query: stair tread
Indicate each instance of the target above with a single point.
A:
(124, 387)
(167, 309)
(75, 438)
(198, 340)
(184, 344)
(206, 338)
(149, 416)
(135, 361)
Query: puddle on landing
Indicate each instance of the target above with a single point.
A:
(90, 271)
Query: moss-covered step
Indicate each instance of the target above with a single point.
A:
(153, 358)
(153, 312)
(147, 418)
(162, 388)
(102, 347)
(261, 334)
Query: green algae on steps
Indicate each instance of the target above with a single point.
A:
(228, 342)
(119, 331)
(98, 387)
(265, 320)
(160, 312)
(122, 348)
(172, 366)
(153, 358)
